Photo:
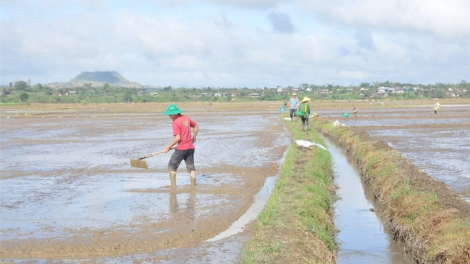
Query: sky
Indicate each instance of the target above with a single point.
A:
(237, 43)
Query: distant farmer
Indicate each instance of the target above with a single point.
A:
(185, 150)
(355, 110)
(437, 107)
(305, 108)
(293, 106)
(284, 105)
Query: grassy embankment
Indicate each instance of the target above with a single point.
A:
(296, 225)
(432, 232)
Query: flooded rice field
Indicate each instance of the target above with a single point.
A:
(438, 144)
(68, 192)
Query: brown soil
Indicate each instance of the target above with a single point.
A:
(183, 229)
(419, 179)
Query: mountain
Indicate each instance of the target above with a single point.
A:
(106, 77)
(98, 79)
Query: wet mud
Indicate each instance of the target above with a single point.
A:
(69, 193)
(437, 144)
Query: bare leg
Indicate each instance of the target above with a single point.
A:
(193, 177)
(173, 178)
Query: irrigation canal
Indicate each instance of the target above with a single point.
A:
(361, 236)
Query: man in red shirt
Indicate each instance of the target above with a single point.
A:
(185, 150)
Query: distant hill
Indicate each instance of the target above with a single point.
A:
(98, 79)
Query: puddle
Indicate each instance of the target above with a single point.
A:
(362, 238)
(67, 184)
(438, 145)
(440, 152)
(417, 112)
(260, 200)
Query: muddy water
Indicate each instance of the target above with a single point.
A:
(69, 194)
(438, 144)
(251, 214)
(361, 234)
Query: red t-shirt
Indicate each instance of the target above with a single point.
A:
(182, 126)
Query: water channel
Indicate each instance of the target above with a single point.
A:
(361, 234)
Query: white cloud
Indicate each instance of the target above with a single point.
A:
(257, 4)
(353, 75)
(359, 41)
(440, 18)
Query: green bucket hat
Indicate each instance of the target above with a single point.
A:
(172, 110)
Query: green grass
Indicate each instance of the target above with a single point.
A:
(296, 225)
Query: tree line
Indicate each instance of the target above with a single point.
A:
(24, 92)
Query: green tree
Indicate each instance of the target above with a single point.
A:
(21, 86)
(127, 97)
(38, 87)
(439, 93)
(24, 97)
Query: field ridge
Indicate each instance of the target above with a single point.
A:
(431, 220)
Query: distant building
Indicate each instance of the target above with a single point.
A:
(399, 90)
(143, 92)
(380, 92)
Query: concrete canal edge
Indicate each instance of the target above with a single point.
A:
(429, 219)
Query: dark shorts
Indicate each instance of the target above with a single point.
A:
(180, 155)
(292, 113)
(304, 120)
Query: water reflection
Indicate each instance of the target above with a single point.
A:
(184, 210)
(362, 237)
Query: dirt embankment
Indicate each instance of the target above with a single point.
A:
(431, 220)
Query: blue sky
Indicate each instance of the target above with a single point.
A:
(237, 43)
